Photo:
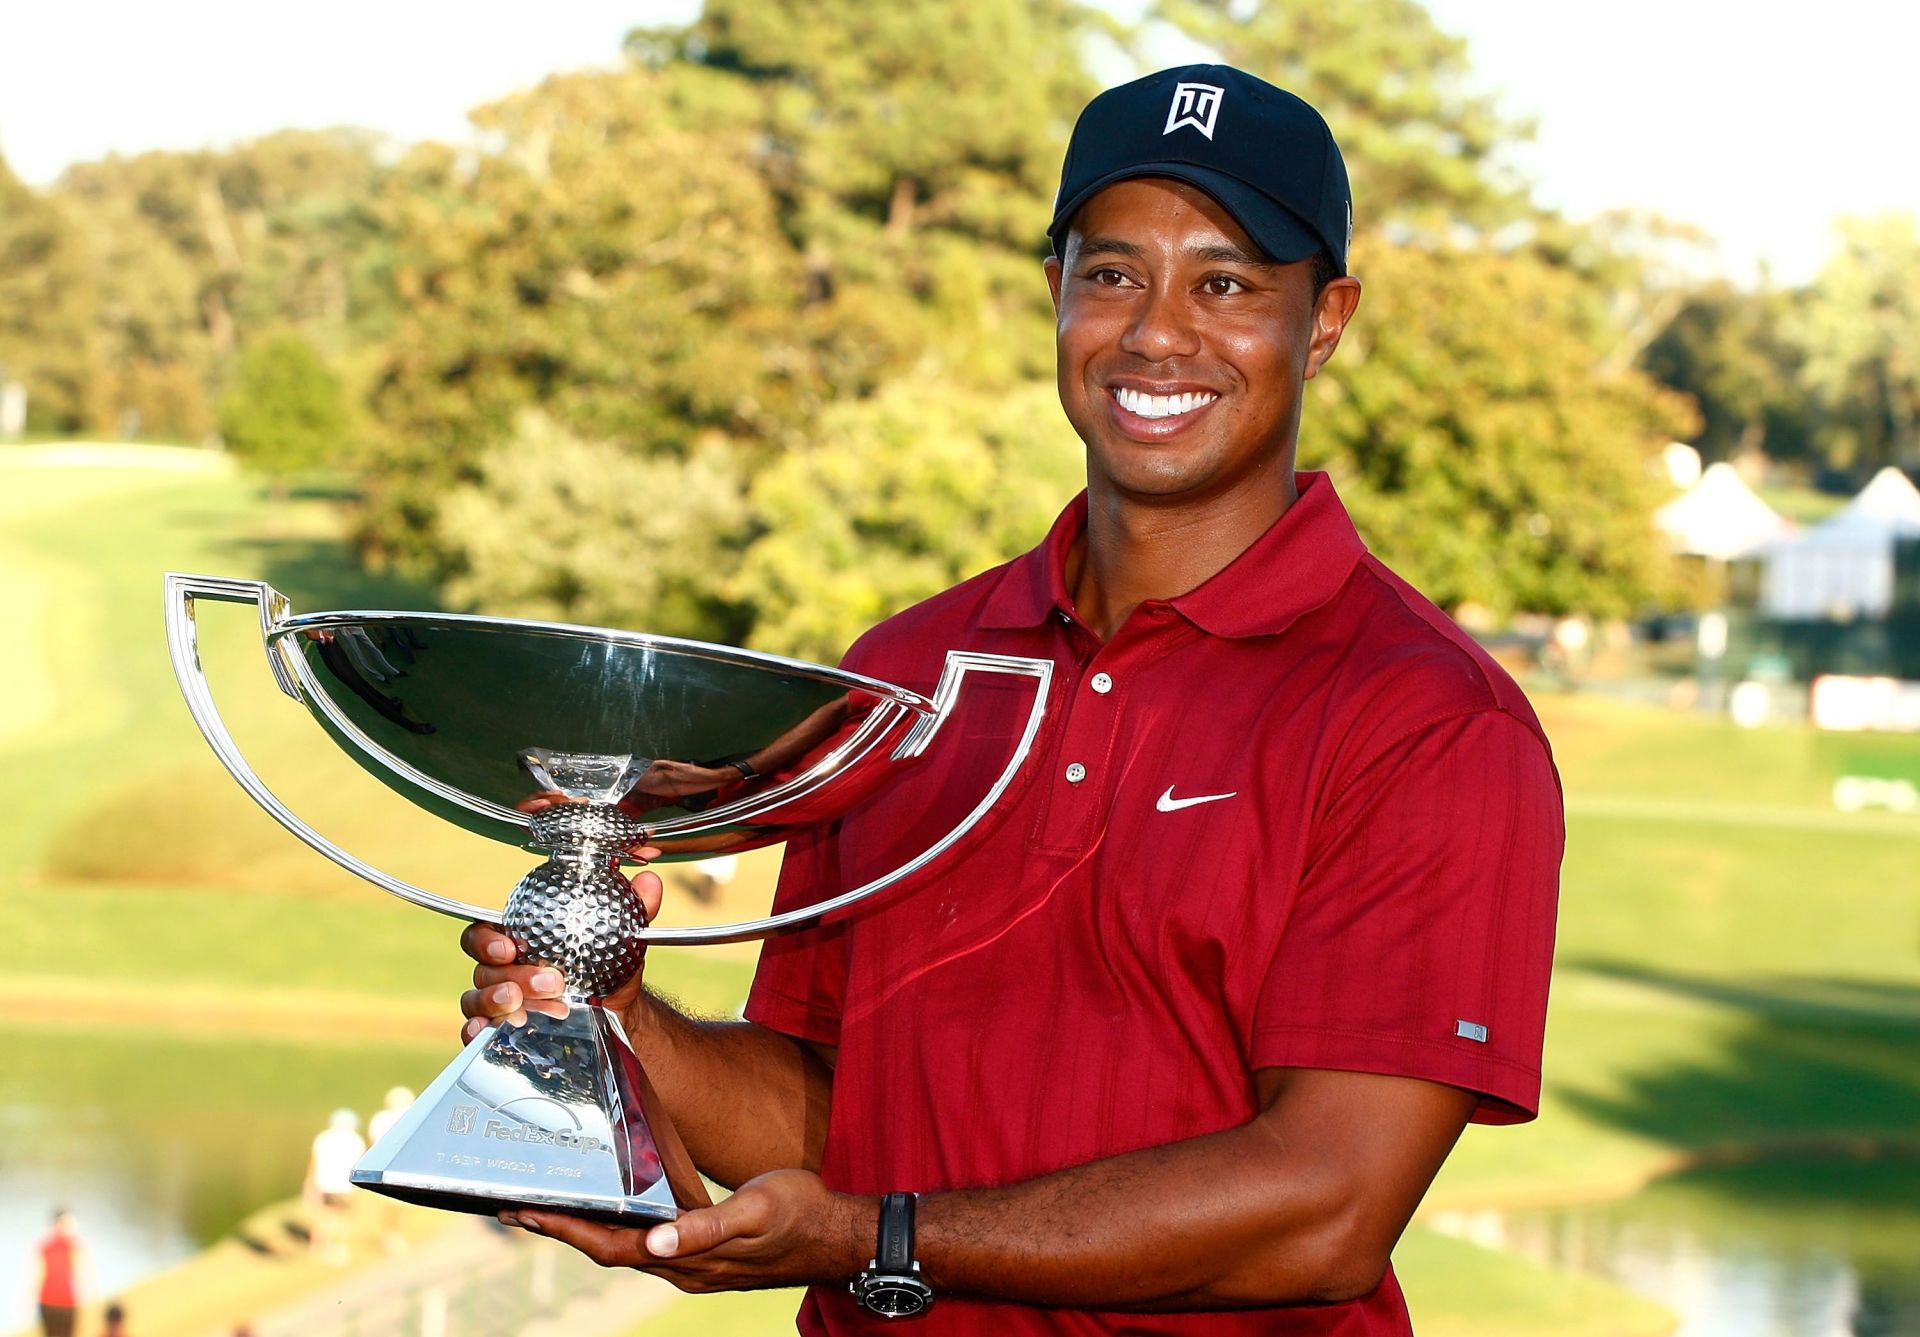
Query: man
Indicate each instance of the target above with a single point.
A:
(1180, 1044)
(328, 1189)
(63, 1275)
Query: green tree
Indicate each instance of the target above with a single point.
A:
(195, 252)
(773, 210)
(1859, 332)
(1481, 445)
(894, 498)
(1728, 349)
(557, 526)
(49, 311)
(285, 411)
(618, 264)
(1421, 144)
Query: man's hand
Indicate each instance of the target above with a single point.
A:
(785, 1228)
(505, 989)
(677, 779)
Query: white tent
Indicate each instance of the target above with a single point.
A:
(1720, 517)
(1843, 566)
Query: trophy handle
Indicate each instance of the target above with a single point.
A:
(183, 646)
(960, 664)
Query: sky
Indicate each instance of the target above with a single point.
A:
(1758, 122)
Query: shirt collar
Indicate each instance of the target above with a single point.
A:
(1298, 564)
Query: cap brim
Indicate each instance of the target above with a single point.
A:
(1274, 228)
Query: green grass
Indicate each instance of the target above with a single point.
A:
(1739, 965)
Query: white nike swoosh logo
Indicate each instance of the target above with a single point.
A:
(1168, 803)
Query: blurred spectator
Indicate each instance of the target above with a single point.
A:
(329, 1187)
(399, 1101)
(116, 1320)
(63, 1266)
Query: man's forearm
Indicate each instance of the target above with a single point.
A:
(1301, 1205)
(1216, 1222)
(744, 1099)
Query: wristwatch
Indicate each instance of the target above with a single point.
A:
(891, 1285)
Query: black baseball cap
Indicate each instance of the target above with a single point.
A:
(1265, 155)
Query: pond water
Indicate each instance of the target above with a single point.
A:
(1805, 1247)
(161, 1143)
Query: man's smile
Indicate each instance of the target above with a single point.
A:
(1149, 415)
(1144, 405)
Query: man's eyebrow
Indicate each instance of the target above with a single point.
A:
(1222, 254)
(1233, 255)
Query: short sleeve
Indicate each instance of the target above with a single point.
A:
(1421, 938)
(800, 986)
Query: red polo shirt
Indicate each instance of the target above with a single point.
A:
(1292, 818)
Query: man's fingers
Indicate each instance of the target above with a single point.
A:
(486, 943)
(609, 1246)
(530, 981)
(647, 886)
(502, 1003)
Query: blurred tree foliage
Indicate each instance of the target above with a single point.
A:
(1731, 350)
(554, 525)
(747, 337)
(193, 253)
(284, 411)
(1859, 332)
(1421, 144)
(49, 311)
(770, 215)
(896, 497)
(1481, 446)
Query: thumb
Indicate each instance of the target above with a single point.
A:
(702, 1229)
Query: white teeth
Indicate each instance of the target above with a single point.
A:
(1160, 406)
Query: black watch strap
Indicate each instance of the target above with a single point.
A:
(894, 1252)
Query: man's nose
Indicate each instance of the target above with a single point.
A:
(1162, 327)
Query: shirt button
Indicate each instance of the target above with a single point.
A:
(1102, 683)
(1076, 773)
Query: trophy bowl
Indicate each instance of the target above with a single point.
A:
(586, 745)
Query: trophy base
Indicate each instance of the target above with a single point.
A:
(553, 1114)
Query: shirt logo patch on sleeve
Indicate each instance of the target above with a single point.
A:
(1470, 1030)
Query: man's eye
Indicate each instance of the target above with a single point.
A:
(1224, 285)
(1111, 278)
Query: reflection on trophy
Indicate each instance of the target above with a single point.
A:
(587, 745)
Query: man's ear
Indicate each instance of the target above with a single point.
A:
(1055, 273)
(1331, 312)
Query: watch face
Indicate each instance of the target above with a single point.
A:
(893, 1297)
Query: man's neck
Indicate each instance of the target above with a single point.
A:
(1134, 550)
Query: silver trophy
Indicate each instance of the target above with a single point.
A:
(585, 745)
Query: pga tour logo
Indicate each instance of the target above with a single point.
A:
(1197, 105)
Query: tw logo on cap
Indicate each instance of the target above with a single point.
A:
(1197, 105)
